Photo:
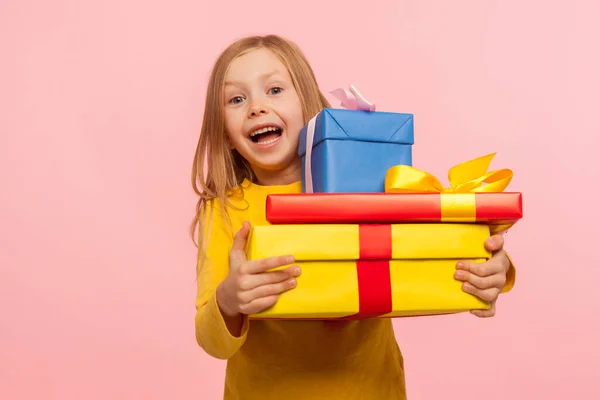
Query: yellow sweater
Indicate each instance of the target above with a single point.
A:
(288, 360)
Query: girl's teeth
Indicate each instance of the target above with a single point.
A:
(264, 130)
(269, 141)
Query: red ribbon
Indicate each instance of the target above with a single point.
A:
(373, 270)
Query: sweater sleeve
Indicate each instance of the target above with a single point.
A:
(212, 333)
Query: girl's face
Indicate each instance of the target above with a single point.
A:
(263, 116)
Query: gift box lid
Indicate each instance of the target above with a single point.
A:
(368, 126)
(341, 242)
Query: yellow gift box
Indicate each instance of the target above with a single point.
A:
(352, 271)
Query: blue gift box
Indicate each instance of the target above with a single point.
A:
(353, 149)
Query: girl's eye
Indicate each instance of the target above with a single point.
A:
(236, 100)
(276, 90)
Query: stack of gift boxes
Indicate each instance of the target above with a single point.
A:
(374, 236)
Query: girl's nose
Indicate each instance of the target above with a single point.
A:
(257, 109)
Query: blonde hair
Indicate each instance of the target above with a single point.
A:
(226, 168)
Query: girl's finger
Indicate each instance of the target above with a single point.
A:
(486, 313)
(249, 282)
(494, 243)
(488, 295)
(268, 290)
(486, 282)
(237, 255)
(481, 269)
(265, 264)
(258, 305)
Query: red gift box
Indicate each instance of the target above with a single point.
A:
(499, 210)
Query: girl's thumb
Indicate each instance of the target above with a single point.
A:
(239, 241)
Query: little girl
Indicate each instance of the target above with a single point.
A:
(262, 91)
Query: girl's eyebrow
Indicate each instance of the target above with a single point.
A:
(264, 76)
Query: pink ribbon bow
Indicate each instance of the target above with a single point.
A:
(351, 99)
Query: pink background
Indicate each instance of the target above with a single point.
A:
(101, 104)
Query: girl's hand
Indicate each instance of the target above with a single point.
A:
(249, 288)
(485, 280)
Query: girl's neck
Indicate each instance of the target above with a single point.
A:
(292, 173)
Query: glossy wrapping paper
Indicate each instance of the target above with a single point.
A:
(354, 271)
(351, 150)
(498, 210)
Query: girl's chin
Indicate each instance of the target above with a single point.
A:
(278, 164)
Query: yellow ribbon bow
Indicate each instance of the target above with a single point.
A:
(470, 176)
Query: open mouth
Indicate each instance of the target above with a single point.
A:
(266, 135)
